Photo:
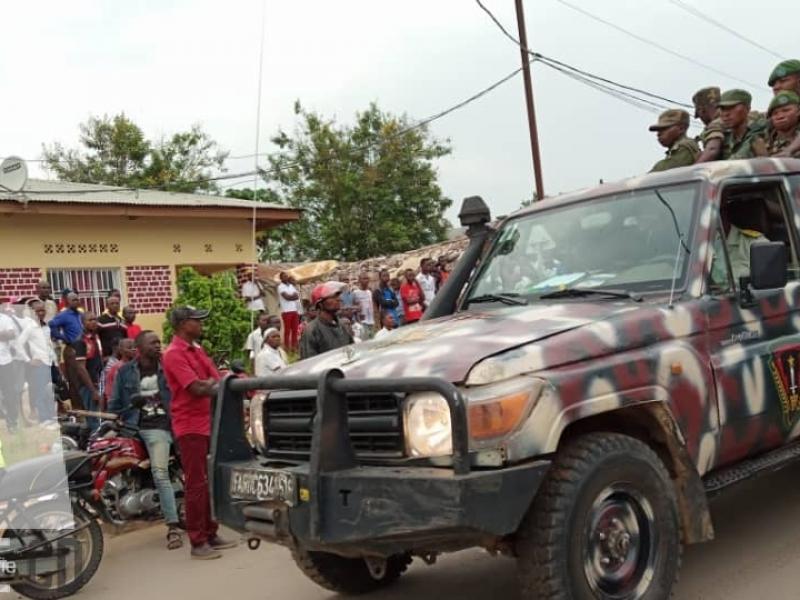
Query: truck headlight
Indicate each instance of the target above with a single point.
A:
(258, 431)
(495, 410)
(428, 428)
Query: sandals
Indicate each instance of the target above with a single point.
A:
(174, 538)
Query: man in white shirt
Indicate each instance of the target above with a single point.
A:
(35, 340)
(366, 306)
(10, 363)
(289, 299)
(251, 292)
(389, 324)
(271, 357)
(426, 280)
(256, 338)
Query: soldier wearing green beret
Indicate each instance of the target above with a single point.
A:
(671, 129)
(784, 116)
(786, 77)
(706, 108)
(743, 138)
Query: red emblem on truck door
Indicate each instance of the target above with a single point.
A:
(784, 366)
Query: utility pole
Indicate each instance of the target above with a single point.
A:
(526, 74)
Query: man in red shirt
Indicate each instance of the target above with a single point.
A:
(192, 379)
(129, 316)
(413, 298)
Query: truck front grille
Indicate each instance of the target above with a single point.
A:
(375, 420)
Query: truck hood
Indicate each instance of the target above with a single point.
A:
(449, 347)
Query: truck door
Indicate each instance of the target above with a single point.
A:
(754, 348)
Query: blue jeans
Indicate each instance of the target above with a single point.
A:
(89, 404)
(41, 394)
(158, 442)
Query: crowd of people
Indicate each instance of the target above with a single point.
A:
(732, 130)
(107, 362)
(341, 312)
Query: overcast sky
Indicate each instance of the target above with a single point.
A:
(170, 63)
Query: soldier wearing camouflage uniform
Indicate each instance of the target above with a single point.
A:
(681, 151)
(743, 138)
(706, 108)
(785, 77)
(784, 116)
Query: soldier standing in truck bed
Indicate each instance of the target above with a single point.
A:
(743, 138)
(706, 108)
(784, 116)
(671, 130)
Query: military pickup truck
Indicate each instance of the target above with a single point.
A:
(594, 370)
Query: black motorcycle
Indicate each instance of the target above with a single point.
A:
(50, 545)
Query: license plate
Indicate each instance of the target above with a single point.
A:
(264, 484)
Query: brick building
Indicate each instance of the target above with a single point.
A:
(96, 238)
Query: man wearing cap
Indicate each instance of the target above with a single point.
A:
(785, 76)
(784, 116)
(743, 139)
(671, 130)
(706, 108)
(325, 332)
(192, 379)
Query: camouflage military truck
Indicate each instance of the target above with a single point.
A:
(593, 371)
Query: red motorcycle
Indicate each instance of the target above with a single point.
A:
(124, 489)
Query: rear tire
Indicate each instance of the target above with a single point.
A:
(603, 526)
(349, 576)
(81, 565)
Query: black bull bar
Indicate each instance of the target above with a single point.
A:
(459, 498)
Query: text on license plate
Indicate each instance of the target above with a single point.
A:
(264, 484)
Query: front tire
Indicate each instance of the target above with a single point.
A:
(604, 525)
(349, 576)
(85, 550)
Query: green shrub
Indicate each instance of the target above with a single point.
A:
(228, 324)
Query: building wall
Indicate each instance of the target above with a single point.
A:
(146, 252)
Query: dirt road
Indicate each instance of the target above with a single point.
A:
(756, 555)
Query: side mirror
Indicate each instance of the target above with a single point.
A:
(768, 266)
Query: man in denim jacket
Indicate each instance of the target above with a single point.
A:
(142, 396)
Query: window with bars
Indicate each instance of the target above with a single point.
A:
(92, 285)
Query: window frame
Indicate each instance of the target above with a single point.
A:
(779, 186)
(94, 299)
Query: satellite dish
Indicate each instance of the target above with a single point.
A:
(13, 174)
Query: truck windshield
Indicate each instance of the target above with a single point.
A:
(626, 242)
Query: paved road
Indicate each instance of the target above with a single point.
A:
(756, 555)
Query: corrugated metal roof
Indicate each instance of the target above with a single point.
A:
(42, 190)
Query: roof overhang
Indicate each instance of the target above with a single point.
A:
(266, 218)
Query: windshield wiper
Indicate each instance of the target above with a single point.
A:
(506, 298)
(580, 292)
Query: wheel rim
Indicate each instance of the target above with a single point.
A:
(619, 561)
(80, 545)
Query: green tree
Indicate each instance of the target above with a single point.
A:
(366, 189)
(228, 323)
(115, 151)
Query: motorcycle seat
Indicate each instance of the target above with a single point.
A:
(43, 475)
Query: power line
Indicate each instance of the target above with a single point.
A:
(649, 42)
(708, 19)
(598, 82)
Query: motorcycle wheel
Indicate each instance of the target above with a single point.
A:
(85, 550)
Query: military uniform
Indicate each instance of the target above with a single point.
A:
(706, 98)
(712, 131)
(738, 245)
(777, 141)
(683, 151)
(681, 154)
(752, 142)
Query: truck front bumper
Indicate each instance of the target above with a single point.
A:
(352, 509)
